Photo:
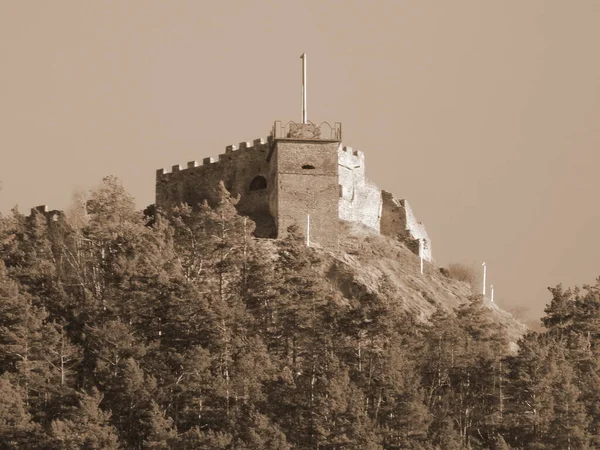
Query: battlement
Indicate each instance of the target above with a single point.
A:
(237, 168)
(231, 151)
(351, 154)
(352, 163)
(307, 131)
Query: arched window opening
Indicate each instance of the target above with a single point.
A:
(258, 183)
(308, 166)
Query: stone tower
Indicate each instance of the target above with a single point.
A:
(306, 182)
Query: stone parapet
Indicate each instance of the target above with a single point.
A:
(230, 151)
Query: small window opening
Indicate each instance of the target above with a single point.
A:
(308, 166)
(258, 183)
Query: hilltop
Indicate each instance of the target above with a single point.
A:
(130, 330)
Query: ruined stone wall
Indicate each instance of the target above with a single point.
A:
(51, 216)
(398, 221)
(360, 199)
(307, 183)
(236, 168)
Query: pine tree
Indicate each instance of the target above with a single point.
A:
(568, 429)
(257, 432)
(529, 402)
(545, 409)
(26, 346)
(36, 267)
(560, 311)
(88, 426)
(17, 430)
(442, 353)
(195, 438)
(159, 429)
(449, 437)
(129, 397)
(500, 444)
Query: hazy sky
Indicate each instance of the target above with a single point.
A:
(484, 115)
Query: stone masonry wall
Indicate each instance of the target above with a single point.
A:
(307, 184)
(237, 168)
(398, 221)
(360, 199)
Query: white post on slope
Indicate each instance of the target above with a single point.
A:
(492, 289)
(421, 246)
(484, 273)
(304, 112)
(308, 230)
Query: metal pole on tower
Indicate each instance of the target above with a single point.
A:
(492, 296)
(484, 273)
(304, 112)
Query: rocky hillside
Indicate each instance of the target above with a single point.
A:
(372, 264)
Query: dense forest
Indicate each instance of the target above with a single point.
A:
(128, 329)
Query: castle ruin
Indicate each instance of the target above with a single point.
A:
(300, 170)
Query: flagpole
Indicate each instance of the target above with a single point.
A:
(304, 111)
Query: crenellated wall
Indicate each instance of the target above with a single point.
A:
(237, 167)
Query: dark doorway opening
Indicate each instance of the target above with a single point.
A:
(258, 183)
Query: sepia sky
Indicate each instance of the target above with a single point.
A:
(484, 115)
